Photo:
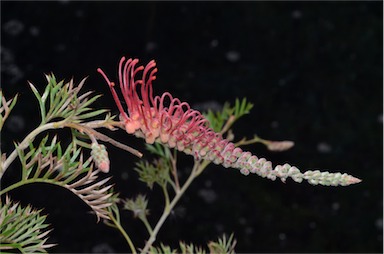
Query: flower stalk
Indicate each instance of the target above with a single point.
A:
(198, 167)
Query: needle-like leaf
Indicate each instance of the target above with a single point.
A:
(47, 163)
(22, 228)
(65, 101)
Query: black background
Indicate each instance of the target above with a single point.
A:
(312, 69)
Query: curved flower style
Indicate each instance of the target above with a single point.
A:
(168, 120)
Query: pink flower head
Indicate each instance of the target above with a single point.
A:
(161, 118)
(171, 122)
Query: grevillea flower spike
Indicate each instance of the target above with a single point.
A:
(169, 121)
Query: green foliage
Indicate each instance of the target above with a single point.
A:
(222, 245)
(228, 114)
(217, 119)
(242, 108)
(22, 229)
(159, 170)
(159, 150)
(163, 249)
(63, 101)
(5, 108)
(47, 161)
(138, 206)
(191, 249)
(50, 163)
(156, 172)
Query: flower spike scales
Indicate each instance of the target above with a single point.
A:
(169, 121)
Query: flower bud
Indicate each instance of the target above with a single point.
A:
(100, 157)
(278, 146)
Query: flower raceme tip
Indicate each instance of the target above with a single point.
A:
(169, 121)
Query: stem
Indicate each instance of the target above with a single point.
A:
(228, 124)
(126, 236)
(24, 144)
(147, 225)
(16, 185)
(29, 181)
(255, 139)
(91, 132)
(195, 172)
(203, 165)
(166, 196)
(174, 170)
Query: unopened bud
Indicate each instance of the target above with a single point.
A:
(278, 146)
(100, 157)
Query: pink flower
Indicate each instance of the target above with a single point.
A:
(169, 121)
(161, 118)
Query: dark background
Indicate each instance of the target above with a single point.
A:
(312, 69)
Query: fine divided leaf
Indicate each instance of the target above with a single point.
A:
(50, 163)
(22, 229)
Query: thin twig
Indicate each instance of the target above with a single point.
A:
(228, 124)
(122, 231)
(174, 169)
(103, 137)
(116, 143)
(29, 138)
(244, 141)
(167, 210)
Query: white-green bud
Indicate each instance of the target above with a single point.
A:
(100, 157)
